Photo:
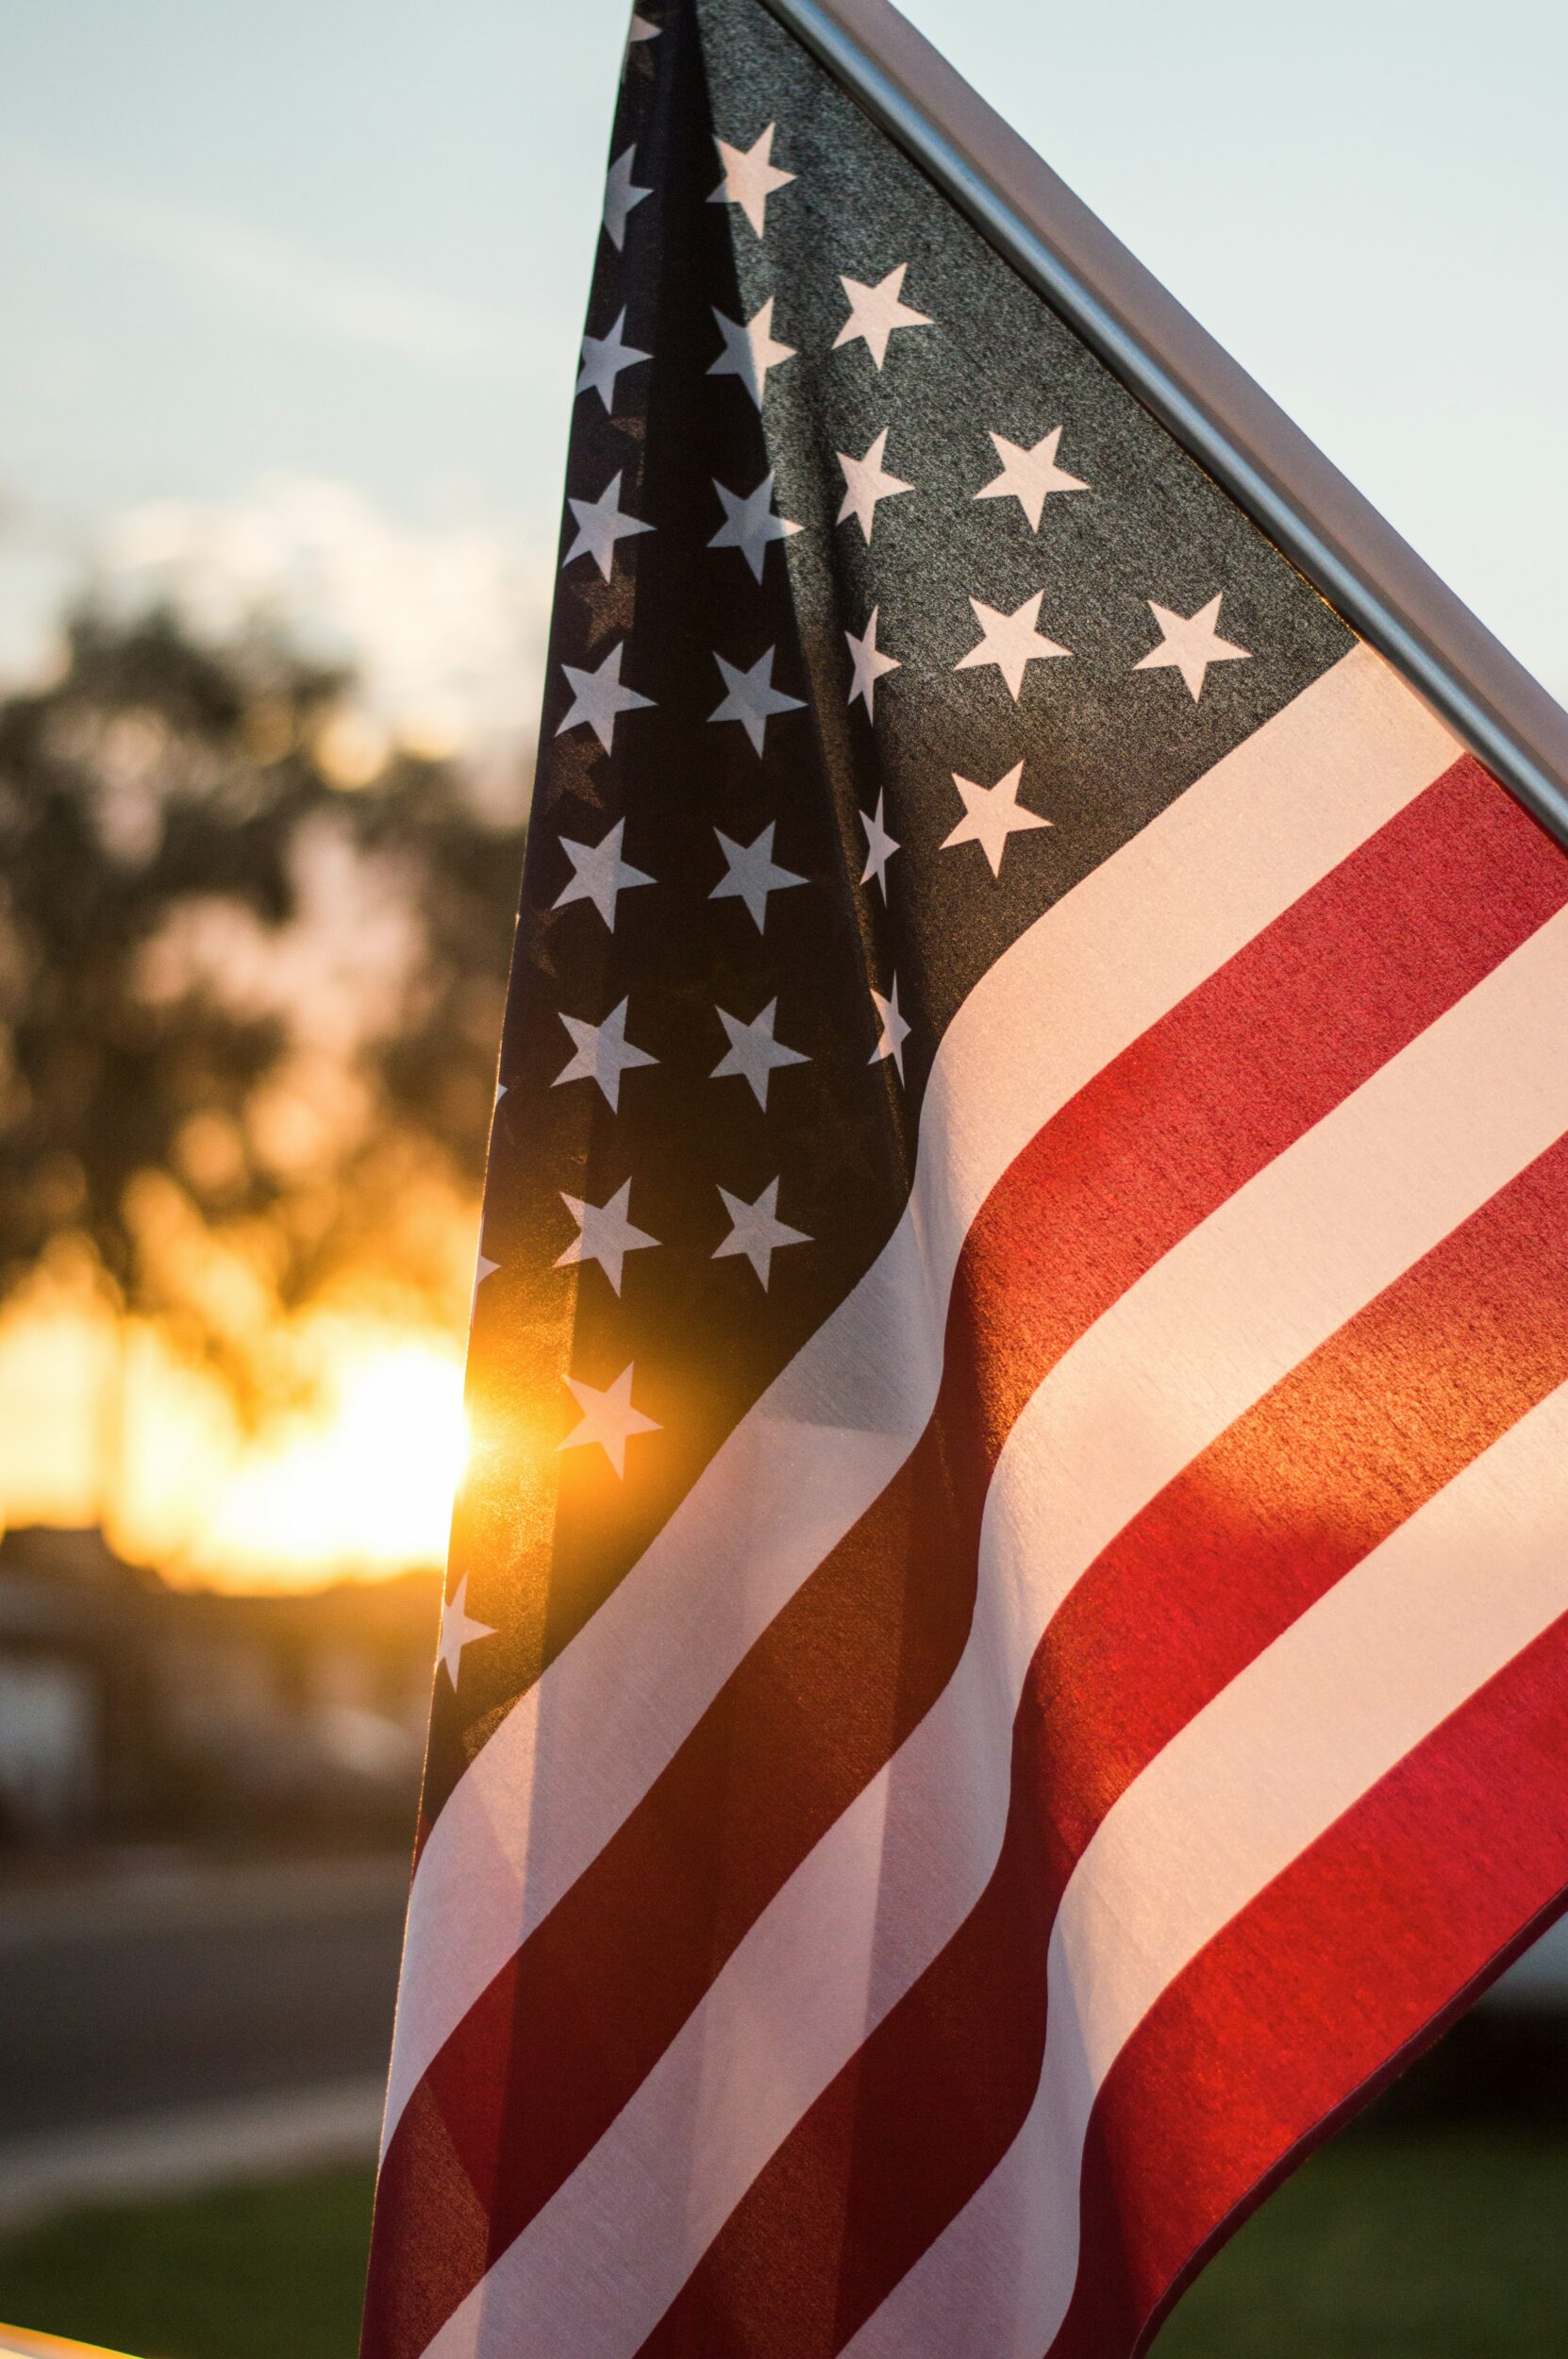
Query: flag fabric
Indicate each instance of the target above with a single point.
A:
(1005, 1658)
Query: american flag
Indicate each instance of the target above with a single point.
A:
(1004, 1658)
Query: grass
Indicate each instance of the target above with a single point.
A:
(1439, 2244)
(250, 2272)
(1397, 2243)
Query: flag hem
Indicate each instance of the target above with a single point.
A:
(1335, 537)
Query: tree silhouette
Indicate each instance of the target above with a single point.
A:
(247, 1018)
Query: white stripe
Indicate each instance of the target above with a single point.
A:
(579, 1748)
(1225, 1314)
(1369, 1671)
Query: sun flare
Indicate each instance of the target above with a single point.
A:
(105, 1422)
(365, 1485)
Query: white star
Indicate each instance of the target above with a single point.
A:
(599, 874)
(483, 1267)
(880, 847)
(753, 1052)
(866, 482)
(598, 698)
(750, 177)
(750, 351)
(622, 197)
(755, 1231)
(600, 523)
(991, 814)
(869, 664)
(604, 358)
(607, 1419)
(642, 28)
(1029, 474)
(458, 1629)
(1010, 641)
(1191, 643)
(602, 1053)
(875, 312)
(604, 1234)
(751, 874)
(751, 698)
(750, 523)
(894, 1032)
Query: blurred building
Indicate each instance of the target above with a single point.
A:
(131, 1711)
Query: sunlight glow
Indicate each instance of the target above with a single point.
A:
(365, 1487)
(103, 1421)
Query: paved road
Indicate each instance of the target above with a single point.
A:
(164, 1988)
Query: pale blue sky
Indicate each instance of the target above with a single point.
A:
(351, 238)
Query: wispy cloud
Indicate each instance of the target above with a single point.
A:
(277, 279)
(443, 626)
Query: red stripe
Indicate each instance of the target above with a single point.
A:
(1204, 1100)
(1359, 1951)
(1224, 1558)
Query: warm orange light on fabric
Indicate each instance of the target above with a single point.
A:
(20, 2343)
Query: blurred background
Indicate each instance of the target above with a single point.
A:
(292, 299)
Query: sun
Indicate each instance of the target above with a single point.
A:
(363, 1484)
(105, 1422)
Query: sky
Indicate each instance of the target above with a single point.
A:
(292, 293)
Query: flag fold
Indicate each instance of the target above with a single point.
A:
(1006, 1651)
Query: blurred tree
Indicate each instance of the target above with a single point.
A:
(251, 985)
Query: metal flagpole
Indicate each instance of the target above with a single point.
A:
(1229, 423)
